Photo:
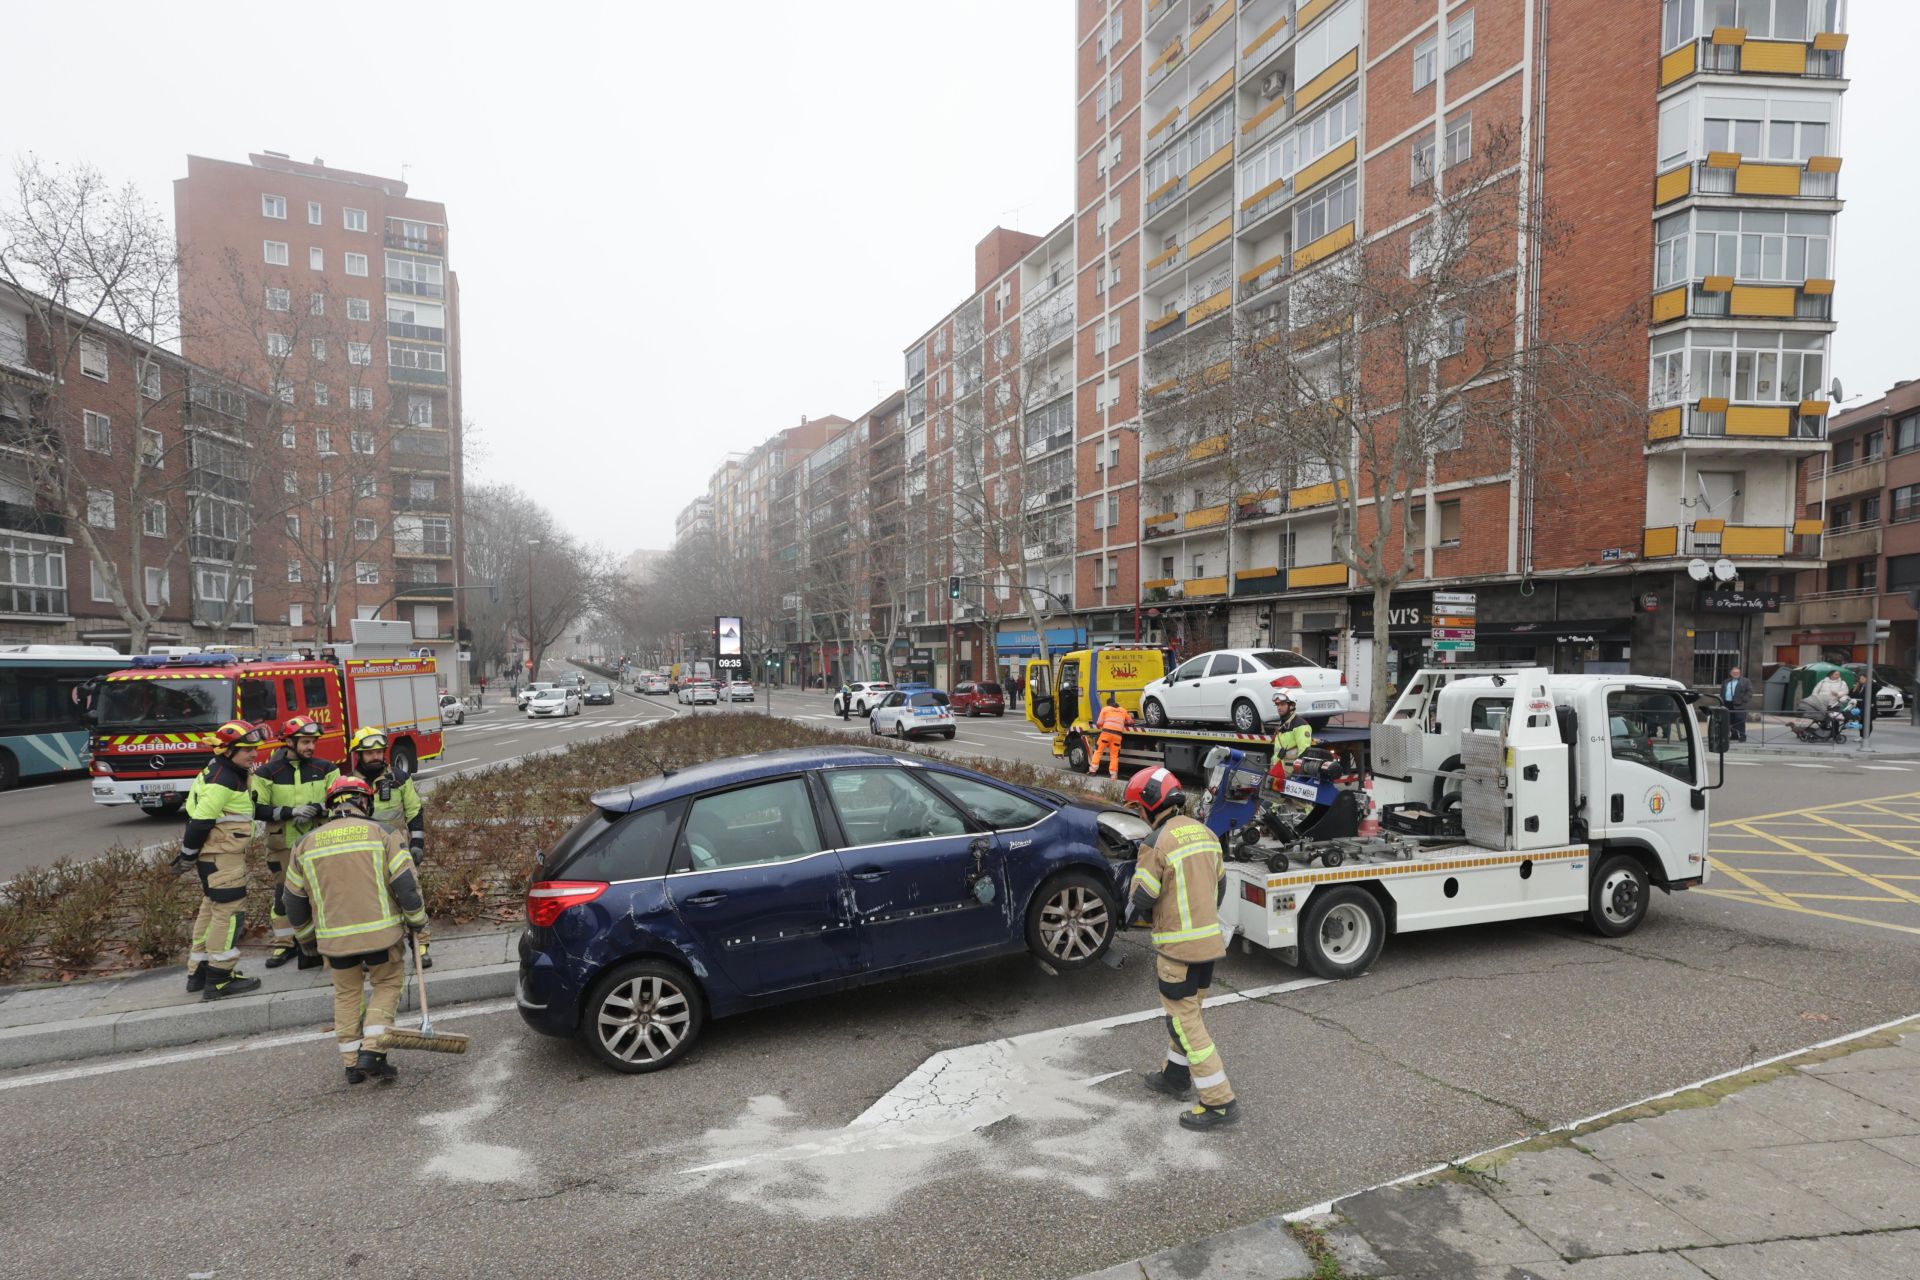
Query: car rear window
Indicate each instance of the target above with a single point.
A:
(1282, 659)
(987, 687)
(617, 846)
(928, 699)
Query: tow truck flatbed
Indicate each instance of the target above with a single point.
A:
(1184, 751)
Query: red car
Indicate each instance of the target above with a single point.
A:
(978, 698)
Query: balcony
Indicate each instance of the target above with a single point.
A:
(434, 242)
(438, 548)
(1728, 175)
(1851, 479)
(1740, 424)
(1264, 276)
(1728, 52)
(1161, 526)
(1197, 588)
(1852, 542)
(1205, 517)
(1163, 327)
(1829, 608)
(1719, 298)
(418, 288)
(1259, 582)
(1707, 538)
(19, 518)
(416, 377)
(421, 444)
(417, 332)
(434, 503)
(218, 613)
(1268, 40)
(1316, 575)
(1260, 506)
(417, 590)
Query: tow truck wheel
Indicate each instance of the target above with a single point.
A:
(1077, 758)
(1341, 932)
(1155, 714)
(1617, 899)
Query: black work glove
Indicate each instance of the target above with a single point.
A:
(418, 849)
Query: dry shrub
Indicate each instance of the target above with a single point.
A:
(76, 930)
(160, 926)
(16, 933)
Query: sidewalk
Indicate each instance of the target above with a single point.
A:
(1771, 735)
(153, 1010)
(1806, 1168)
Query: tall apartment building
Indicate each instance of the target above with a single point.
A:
(1228, 148)
(277, 286)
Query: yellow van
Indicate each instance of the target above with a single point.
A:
(1065, 696)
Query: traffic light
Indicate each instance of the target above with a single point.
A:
(953, 587)
(1880, 631)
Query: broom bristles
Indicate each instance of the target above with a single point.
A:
(438, 1042)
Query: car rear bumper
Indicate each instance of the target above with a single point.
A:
(546, 1001)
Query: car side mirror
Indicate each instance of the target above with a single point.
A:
(1719, 731)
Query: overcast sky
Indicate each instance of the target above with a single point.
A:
(679, 227)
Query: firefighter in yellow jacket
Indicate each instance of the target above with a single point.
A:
(353, 897)
(219, 829)
(396, 804)
(290, 792)
(1177, 886)
(1113, 722)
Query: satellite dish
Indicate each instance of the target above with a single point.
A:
(1724, 569)
(1838, 395)
(1697, 570)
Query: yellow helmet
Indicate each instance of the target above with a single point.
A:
(365, 739)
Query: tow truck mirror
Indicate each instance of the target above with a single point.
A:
(1719, 731)
(1043, 710)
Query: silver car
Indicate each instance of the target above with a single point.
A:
(553, 704)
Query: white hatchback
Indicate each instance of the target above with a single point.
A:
(913, 715)
(554, 703)
(1236, 687)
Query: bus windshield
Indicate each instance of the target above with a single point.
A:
(137, 706)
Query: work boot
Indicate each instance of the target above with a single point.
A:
(1202, 1117)
(222, 983)
(1174, 1086)
(375, 1066)
(355, 1075)
(309, 961)
(281, 955)
(197, 977)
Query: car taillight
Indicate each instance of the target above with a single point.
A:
(1343, 678)
(1287, 682)
(547, 899)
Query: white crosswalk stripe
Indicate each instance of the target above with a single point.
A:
(1885, 768)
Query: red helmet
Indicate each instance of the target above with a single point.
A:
(1154, 790)
(301, 727)
(235, 734)
(351, 788)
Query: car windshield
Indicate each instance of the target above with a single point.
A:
(136, 704)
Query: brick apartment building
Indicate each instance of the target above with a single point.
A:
(1228, 150)
(278, 286)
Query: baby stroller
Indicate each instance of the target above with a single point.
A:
(1826, 724)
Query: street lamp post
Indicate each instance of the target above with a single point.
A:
(532, 670)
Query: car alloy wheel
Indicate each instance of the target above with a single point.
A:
(1075, 923)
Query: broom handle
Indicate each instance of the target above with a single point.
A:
(420, 977)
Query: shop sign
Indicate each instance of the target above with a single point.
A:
(1739, 601)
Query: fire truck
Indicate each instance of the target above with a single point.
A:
(153, 722)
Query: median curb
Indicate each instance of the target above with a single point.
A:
(36, 1044)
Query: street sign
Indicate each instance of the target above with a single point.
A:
(1441, 598)
(1453, 646)
(1452, 620)
(1453, 633)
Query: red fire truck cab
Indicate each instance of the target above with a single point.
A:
(153, 722)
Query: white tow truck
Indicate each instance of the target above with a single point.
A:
(1504, 794)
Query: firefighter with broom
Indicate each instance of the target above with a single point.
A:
(353, 897)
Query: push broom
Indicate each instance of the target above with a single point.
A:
(426, 1037)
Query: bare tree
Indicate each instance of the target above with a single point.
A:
(543, 580)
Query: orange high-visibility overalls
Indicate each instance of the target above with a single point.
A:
(1112, 723)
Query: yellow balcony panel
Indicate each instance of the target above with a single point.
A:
(1165, 517)
(1157, 584)
(1717, 284)
(1672, 185)
(1678, 65)
(1210, 166)
(1316, 495)
(1211, 447)
(1817, 288)
(1170, 117)
(1211, 27)
(1767, 180)
(1807, 525)
(1212, 236)
(1209, 306)
(1315, 89)
(1263, 193)
(1204, 587)
(1815, 408)
(1165, 256)
(1729, 35)
(1664, 425)
(1161, 388)
(1317, 575)
(1211, 94)
(1327, 165)
(1261, 39)
(1214, 374)
(1205, 517)
(1723, 159)
(1307, 255)
(1669, 304)
(1823, 164)
(1709, 526)
(1248, 277)
(1253, 575)
(1309, 11)
(1663, 541)
(1713, 404)
(1766, 422)
(1313, 335)
(1167, 54)
(1162, 189)
(1830, 40)
(1754, 540)
(1260, 116)
(1265, 495)
(1753, 300)
(1155, 325)
(1774, 57)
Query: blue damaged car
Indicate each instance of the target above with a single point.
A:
(746, 882)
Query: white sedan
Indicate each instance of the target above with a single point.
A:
(554, 703)
(739, 691)
(1236, 687)
(695, 692)
(655, 685)
(912, 715)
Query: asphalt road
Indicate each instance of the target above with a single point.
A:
(751, 1158)
(43, 821)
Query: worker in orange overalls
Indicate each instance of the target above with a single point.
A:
(1114, 721)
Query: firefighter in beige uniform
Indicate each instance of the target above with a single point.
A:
(1177, 885)
(219, 830)
(353, 897)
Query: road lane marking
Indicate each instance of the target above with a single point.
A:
(1837, 865)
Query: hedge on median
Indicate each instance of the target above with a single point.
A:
(130, 910)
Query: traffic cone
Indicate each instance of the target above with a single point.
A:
(1370, 824)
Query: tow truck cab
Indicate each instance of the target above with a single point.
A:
(1065, 695)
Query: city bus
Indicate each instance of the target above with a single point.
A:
(44, 694)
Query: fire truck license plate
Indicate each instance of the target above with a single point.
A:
(155, 788)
